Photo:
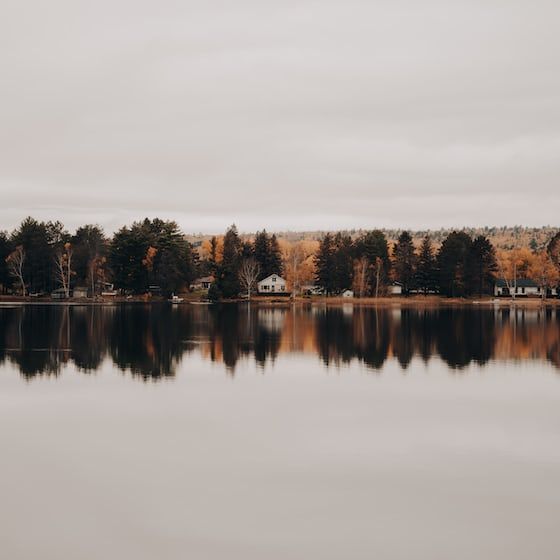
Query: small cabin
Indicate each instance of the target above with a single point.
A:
(523, 287)
(312, 290)
(273, 284)
(347, 294)
(59, 293)
(203, 283)
(80, 292)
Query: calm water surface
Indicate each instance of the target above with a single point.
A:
(141, 432)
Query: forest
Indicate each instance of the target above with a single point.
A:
(154, 256)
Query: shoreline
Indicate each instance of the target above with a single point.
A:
(415, 301)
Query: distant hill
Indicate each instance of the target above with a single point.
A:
(505, 237)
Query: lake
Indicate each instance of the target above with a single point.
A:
(209, 432)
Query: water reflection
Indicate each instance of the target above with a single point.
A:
(150, 340)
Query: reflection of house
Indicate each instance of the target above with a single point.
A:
(272, 284)
(522, 287)
(203, 283)
(271, 320)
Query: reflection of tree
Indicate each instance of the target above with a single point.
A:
(465, 335)
(150, 340)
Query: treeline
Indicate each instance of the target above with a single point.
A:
(155, 256)
(40, 257)
(461, 266)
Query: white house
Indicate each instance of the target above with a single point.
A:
(523, 287)
(347, 294)
(273, 284)
(395, 289)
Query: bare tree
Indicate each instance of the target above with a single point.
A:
(63, 261)
(95, 269)
(362, 267)
(248, 274)
(15, 261)
(378, 265)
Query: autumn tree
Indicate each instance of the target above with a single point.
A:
(404, 262)
(544, 271)
(553, 250)
(361, 275)
(426, 268)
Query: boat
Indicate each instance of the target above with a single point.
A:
(176, 299)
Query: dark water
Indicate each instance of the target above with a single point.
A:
(152, 342)
(269, 433)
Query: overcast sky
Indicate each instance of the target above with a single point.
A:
(289, 114)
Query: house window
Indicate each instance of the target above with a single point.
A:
(274, 278)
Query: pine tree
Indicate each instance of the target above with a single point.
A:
(343, 262)
(325, 273)
(481, 266)
(452, 262)
(373, 246)
(228, 271)
(405, 262)
(275, 256)
(426, 273)
(267, 253)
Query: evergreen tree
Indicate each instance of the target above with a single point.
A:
(343, 262)
(266, 251)
(405, 262)
(426, 271)
(90, 245)
(228, 270)
(325, 266)
(452, 262)
(151, 252)
(275, 256)
(373, 246)
(5, 250)
(481, 266)
(40, 242)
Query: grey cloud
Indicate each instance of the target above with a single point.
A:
(280, 115)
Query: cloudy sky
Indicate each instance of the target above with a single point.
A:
(290, 114)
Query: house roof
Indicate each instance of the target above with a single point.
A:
(520, 283)
(204, 279)
(270, 276)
